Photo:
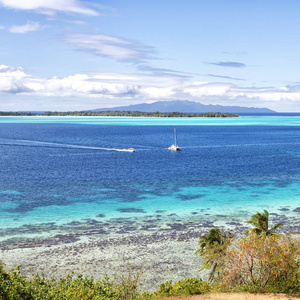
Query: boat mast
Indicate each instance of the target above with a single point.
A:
(175, 137)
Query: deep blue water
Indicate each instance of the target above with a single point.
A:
(52, 174)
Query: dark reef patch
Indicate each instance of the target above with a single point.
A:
(133, 198)
(283, 209)
(207, 224)
(101, 216)
(191, 197)
(258, 184)
(74, 223)
(131, 210)
(234, 223)
(29, 206)
(177, 226)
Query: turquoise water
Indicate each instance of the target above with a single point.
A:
(58, 177)
(128, 121)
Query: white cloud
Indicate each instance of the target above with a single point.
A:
(207, 89)
(139, 87)
(30, 26)
(109, 46)
(12, 80)
(50, 7)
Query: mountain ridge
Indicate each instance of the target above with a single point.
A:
(185, 106)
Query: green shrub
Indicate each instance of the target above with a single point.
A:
(188, 286)
(191, 286)
(14, 286)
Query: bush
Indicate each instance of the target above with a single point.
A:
(263, 264)
(14, 286)
(188, 286)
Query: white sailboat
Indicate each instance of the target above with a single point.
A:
(175, 147)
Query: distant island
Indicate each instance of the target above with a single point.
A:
(162, 109)
(123, 114)
(190, 107)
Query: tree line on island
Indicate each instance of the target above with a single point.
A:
(261, 261)
(123, 114)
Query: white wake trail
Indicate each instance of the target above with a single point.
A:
(49, 144)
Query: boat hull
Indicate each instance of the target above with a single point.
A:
(174, 148)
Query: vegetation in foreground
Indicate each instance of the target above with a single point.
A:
(115, 113)
(13, 286)
(262, 261)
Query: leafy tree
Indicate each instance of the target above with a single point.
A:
(213, 248)
(260, 223)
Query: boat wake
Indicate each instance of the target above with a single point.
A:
(29, 143)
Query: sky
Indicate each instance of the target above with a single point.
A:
(64, 55)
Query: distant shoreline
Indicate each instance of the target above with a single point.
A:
(122, 114)
(143, 114)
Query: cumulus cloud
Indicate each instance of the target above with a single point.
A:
(13, 80)
(50, 7)
(109, 46)
(29, 26)
(141, 87)
(231, 64)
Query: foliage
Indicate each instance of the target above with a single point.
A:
(128, 284)
(213, 248)
(128, 113)
(188, 286)
(260, 223)
(13, 286)
(261, 263)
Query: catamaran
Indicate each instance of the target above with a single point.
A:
(174, 147)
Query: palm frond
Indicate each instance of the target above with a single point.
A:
(260, 223)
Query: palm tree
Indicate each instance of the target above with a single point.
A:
(260, 221)
(213, 248)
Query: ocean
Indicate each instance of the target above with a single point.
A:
(62, 176)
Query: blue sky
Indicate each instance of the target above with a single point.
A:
(75, 55)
